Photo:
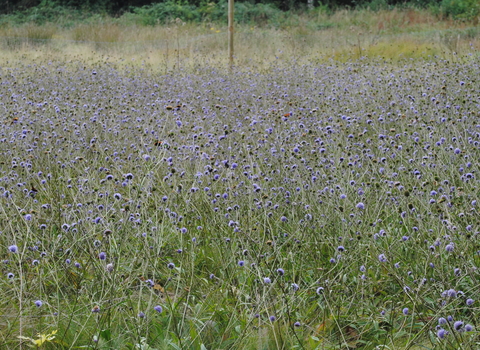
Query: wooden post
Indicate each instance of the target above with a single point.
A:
(230, 32)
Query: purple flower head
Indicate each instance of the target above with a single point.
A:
(13, 248)
(267, 280)
(102, 256)
(470, 302)
(405, 311)
(382, 258)
(442, 321)
(281, 272)
(272, 318)
(141, 314)
(158, 309)
(38, 303)
(171, 266)
(441, 333)
(320, 290)
(468, 328)
(458, 325)
(449, 247)
(297, 324)
(241, 263)
(360, 206)
(452, 293)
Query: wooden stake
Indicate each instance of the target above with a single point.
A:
(230, 32)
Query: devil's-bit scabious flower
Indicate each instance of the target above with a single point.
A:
(158, 309)
(458, 325)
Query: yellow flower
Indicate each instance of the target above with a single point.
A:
(42, 338)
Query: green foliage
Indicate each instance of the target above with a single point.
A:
(166, 11)
(46, 13)
(245, 12)
(461, 9)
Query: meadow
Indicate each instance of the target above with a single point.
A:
(322, 193)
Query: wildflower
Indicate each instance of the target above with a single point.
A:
(272, 318)
(141, 314)
(171, 266)
(468, 327)
(297, 324)
(320, 290)
(158, 309)
(360, 206)
(42, 339)
(13, 248)
(295, 287)
(281, 272)
(382, 258)
(241, 263)
(102, 256)
(441, 333)
(38, 303)
(405, 311)
(10, 275)
(109, 267)
(442, 321)
(458, 325)
(470, 302)
(267, 280)
(449, 247)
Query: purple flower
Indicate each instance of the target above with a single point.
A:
(141, 314)
(458, 325)
(38, 303)
(267, 280)
(468, 328)
(360, 206)
(102, 256)
(281, 272)
(449, 247)
(272, 318)
(382, 258)
(297, 324)
(320, 290)
(405, 311)
(441, 333)
(470, 302)
(13, 248)
(442, 321)
(452, 293)
(171, 266)
(158, 309)
(241, 263)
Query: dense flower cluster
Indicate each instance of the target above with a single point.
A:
(237, 188)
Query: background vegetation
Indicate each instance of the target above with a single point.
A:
(150, 12)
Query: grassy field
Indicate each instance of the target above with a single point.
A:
(320, 194)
